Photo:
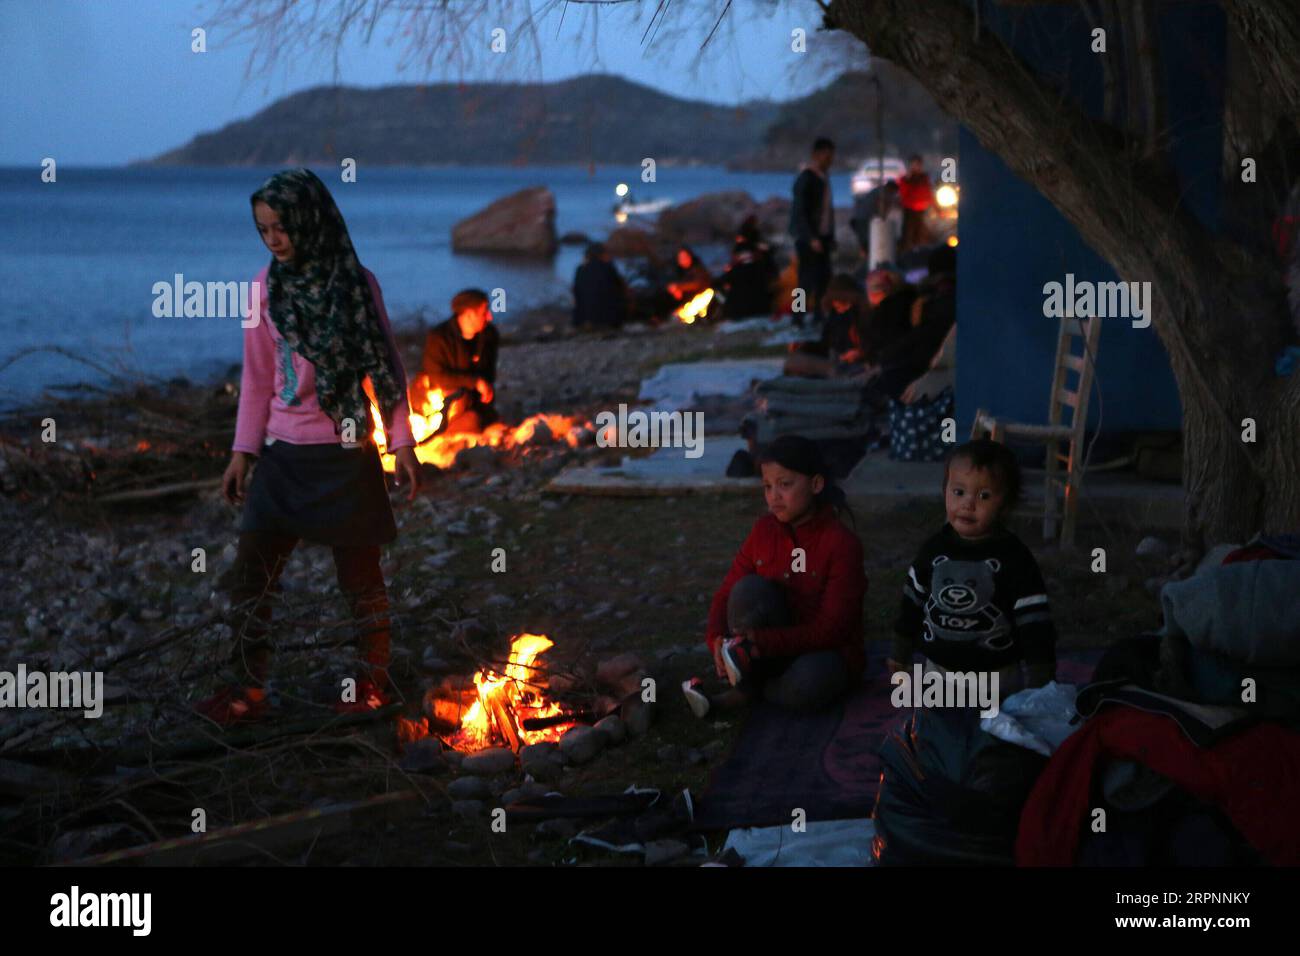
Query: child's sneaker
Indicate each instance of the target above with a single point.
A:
(695, 697)
(233, 705)
(369, 697)
(738, 659)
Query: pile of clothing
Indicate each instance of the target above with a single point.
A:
(1183, 750)
(1191, 751)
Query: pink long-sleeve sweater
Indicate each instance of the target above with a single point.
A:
(277, 397)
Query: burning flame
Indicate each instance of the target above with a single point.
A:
(514, 697)
(441, 450)
(696, 307)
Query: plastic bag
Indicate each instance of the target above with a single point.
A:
(950, 793)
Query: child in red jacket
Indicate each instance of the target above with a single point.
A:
(786, 623)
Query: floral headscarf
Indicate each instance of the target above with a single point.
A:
(322, 305)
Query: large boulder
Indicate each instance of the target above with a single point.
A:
(774, 220)
(522, 223)
(713, 217)
(631, 242)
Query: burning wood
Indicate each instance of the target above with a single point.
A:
(434, 448)
(508, 709)
(696, 308)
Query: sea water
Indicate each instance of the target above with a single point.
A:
(79, 257)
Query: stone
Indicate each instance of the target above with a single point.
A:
(424, 756)
(696, 757)
(613, 728)
(637, 714)
(488, 763)
(542, 762)
(477, 458)
(1151, 547)
(513, 795)
(632, 242)
(468, 809)
(659, 852)
(532, 788)
(469, 788)
(558, 828)
(611, 671)
(709, 218)
(522, 223)
(669, 753)
(581, 744)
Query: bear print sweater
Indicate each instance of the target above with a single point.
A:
(976, 606)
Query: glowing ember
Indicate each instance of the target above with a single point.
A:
(696, 307)
(515, 696)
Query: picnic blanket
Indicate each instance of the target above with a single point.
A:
(825, 764)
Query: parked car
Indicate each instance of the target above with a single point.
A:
(868, 175)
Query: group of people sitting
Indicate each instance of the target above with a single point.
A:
(891, 332)
(602, 298)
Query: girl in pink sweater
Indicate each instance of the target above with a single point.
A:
(304, 419)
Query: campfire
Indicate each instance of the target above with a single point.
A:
(696, 308)
(433, 448)
(500, 709)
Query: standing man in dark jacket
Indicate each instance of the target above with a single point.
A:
(812, 224)
(460, 358)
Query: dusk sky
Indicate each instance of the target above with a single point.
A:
(110, 81)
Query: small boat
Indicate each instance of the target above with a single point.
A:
(641, 208)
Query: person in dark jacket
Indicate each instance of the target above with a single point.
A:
(896, 362)
(887, 319)
(812, 224)
(748, 282)
(460, 358)
(599, 292)
(838, 351)
(688, 277)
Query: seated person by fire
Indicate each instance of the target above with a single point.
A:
(459, 366)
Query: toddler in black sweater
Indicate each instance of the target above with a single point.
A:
(974, 599)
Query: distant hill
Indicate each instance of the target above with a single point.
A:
(845, 110)
(597, 118)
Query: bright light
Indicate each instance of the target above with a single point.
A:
(952, 241)
(620, 189)
(946, 196)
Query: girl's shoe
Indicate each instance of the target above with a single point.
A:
(233, 705)
(695, 697)
(738, 659)
(369, 697)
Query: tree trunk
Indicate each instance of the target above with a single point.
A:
(1219, 312)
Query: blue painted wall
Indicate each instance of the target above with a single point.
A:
(1013, 240)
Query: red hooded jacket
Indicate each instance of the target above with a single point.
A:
(825, 597)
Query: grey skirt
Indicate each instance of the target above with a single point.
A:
(326, 494)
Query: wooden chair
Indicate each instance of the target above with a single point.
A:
(1064, 478)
